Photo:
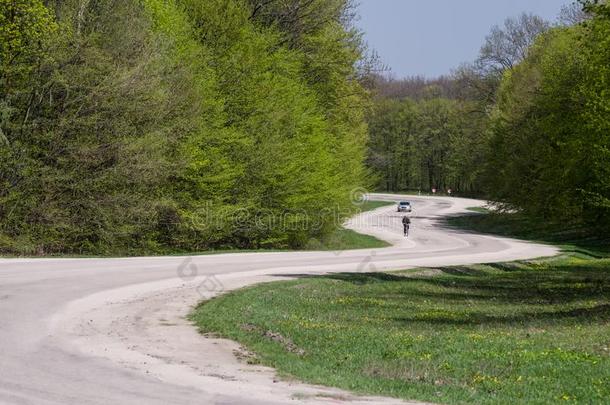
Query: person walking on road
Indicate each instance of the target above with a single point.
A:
(406, 223)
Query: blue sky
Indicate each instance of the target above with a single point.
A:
(431, 37)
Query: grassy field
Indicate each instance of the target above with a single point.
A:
(526, 332)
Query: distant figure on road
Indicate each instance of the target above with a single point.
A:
(406, 223)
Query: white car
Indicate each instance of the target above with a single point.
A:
(404, 206)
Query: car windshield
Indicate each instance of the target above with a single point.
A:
(405, 203)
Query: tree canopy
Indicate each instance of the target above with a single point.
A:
(526, 125)
(152, 126)
(551, 126)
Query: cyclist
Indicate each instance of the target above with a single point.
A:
(406, 223)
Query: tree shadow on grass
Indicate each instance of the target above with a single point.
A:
(512, 282)
(554, 285)
(354, 278)
(582, 240)
(461, 271)
(599, 313)
(557, 293)
(365, 278)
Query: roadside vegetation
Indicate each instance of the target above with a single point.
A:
(531, 331)
(153, 127)
(527, 124)
(337, 240)
(149, 126)
(369, 205)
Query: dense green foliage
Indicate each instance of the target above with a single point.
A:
(150, 126)
(551, 126)
(527, 125)
(425, 144)
(434, 133)
(532, 332)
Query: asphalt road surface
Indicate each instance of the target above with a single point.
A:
(113, 331)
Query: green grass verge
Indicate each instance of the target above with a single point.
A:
(531, 333)
(526, 332)
(373, 205)
(346, 239)
(479, 210)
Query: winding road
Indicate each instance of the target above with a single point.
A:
(113, 331)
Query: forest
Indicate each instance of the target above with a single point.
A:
(148, 126)
(156, 126)
(526, 125)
